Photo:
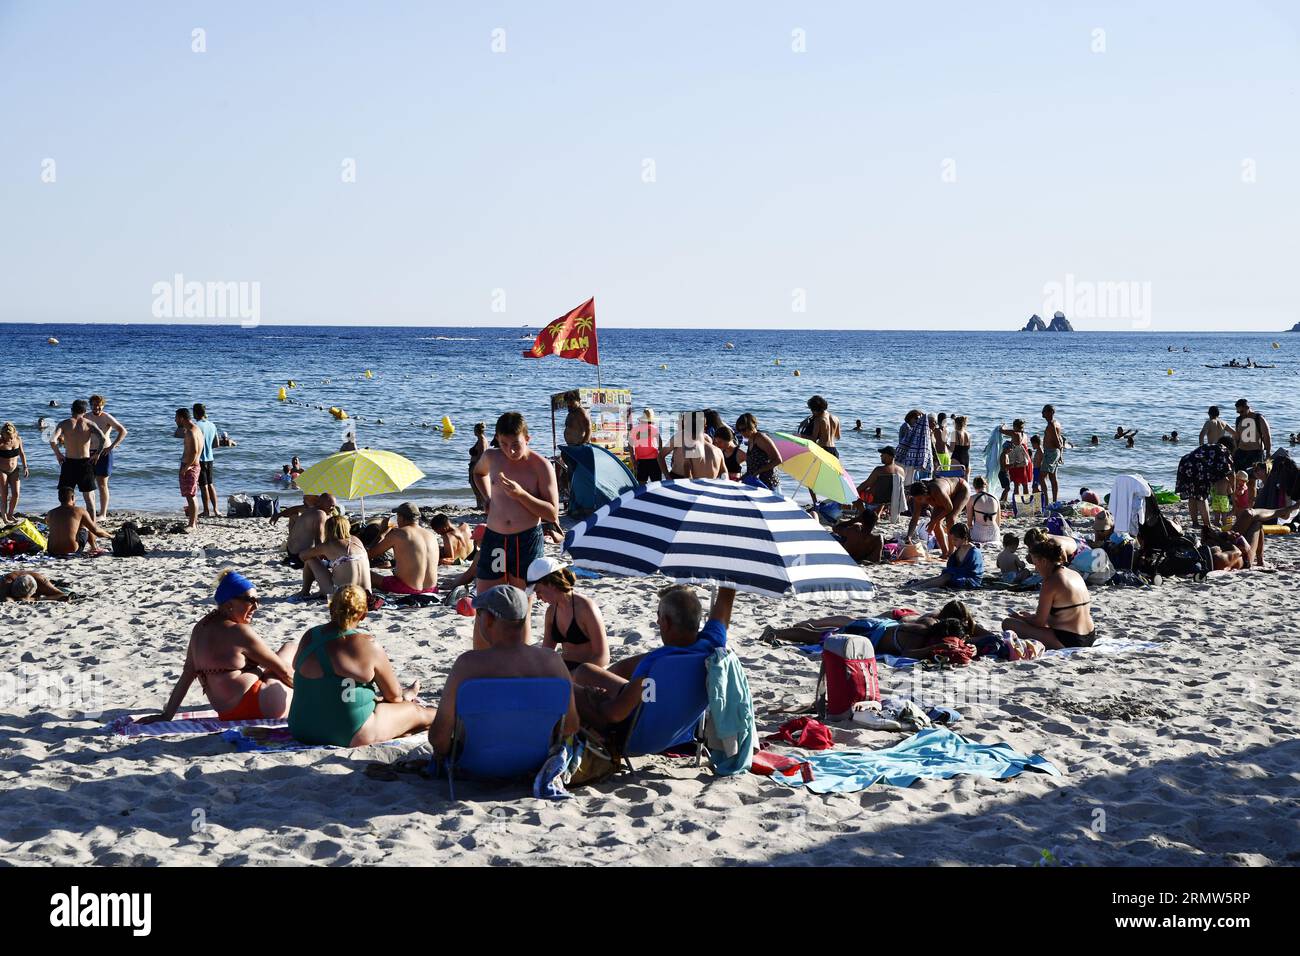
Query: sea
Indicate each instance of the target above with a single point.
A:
(1156, 382)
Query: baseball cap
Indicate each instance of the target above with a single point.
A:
(887, 450)
(540, 568)
(504, 601)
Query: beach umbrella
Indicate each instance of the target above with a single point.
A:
(718, 532)
(355, 474)
(815, 468)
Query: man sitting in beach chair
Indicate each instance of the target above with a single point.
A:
(607, 697)
(503, 611)
(876, 493)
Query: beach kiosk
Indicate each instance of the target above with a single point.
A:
(596, 473)
(610, 409)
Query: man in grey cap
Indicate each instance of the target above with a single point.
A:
(503, 622)
(415, 555)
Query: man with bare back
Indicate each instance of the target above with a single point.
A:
(189, 474)
(521, 492)
(690, 453)
(77, 462)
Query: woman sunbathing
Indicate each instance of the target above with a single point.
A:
(241, 676)
(901, 633)
(1063, 618)
(346, 692)
(339, 561)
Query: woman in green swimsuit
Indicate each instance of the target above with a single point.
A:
(346, 692)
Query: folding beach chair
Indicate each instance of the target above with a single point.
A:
(674, 712)
(505, 726)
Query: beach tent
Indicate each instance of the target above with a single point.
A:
(596, 477)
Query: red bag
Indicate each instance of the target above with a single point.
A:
(848, 675)
(766, 764)
(804, 732)
(951, 651)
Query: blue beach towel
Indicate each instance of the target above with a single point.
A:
(936, 754)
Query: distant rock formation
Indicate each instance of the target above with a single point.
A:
(1060, 323)
(1035, 324)
(1296, 327)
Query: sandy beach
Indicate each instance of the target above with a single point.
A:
(1181, 753)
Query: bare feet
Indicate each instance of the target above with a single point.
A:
(411, 692)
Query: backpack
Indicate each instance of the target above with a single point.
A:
(806, 428)
(127, 543)
(984, 523)
(848, 675)
(239, 506)
(266, 506)
(1017, 456)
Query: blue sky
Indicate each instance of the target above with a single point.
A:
(918, 166)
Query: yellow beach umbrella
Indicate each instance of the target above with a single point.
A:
(815, 468)
(355, 474)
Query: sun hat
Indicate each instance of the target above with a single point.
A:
(540, 568)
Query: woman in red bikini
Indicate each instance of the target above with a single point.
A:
(241, 676)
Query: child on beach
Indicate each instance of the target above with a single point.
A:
(1010, 565)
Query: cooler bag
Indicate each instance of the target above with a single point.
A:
(848, 675)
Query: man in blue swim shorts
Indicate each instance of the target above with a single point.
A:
(521, 492)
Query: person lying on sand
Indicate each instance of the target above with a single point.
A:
(899, 634)
(346, 693)
(306, 531)
(72, 530)
(1069, 546)
(1230, 552)
(606, 697)
(457, 539)
(860, 538)
(240, 675)
(29, 586)
(503, 611)
(415, 555)
(1063, 617)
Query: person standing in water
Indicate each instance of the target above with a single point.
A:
(189, 473)
(104, 464)
(521, 492)
(207, 487)
(1053, 450)
(475, 453)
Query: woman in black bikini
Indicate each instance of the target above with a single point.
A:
(1063, 618)
(573, 621)
(762, 456)
(13, 459)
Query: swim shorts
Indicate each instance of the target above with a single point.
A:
(205, 474)
(190, 481)
(392, 584)
(248, 708)
(945, 461)
(104, 466)
(1220, 504)
(77, 473)
(1051, 460)
(508, 555)
(1244, 459)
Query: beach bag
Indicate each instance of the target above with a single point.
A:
(591, 760)
(127, 543)
(266, 506)
(24, 538)
(806, 428)
(239, 506)
(984, 521)
(949, 652)
(1017, 456)
(1094, 564)
(848, 675)
(1028, 505)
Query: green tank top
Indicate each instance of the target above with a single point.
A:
(328, 709)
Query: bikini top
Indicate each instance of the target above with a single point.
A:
(346, 558)
(573, 635)
(9, 452)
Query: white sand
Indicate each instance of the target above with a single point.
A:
(1184, 753)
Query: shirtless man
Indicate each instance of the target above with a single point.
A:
(77, 460)
(946, 498)
(71, 528)
(520, 489)
(457, 540)
(692, 454)
(1254, 442)
(29, 586)
(506, 652)
(189, 473)
(875, 491)
(860, 538)
(306, 531)
(577, 424)
(241, 676)
(415, 555)
(1053, 448)
(104, 464)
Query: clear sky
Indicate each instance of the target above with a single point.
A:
(928, 165)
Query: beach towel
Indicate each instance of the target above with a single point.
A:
(914, 447)
(190, 723)
(729, 729)
(1128, 501)
(278, 740)
(936, 753)
(993, 457)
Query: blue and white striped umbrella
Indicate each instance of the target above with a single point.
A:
(714, 531)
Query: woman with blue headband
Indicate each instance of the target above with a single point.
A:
(240, 674)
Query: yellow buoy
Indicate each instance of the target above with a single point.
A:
(1276, 346)
(663, 366)
(448, 429)
(777, 362)
(796, 371)
(292, 383)
(284, 396)
(369, 374)
(1171, 371)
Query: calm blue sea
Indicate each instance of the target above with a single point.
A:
(1096, 380)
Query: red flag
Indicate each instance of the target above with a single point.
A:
(571, 336)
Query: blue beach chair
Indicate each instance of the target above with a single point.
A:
(505, 726)
(676, 714)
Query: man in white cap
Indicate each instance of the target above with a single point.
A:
(503, 622)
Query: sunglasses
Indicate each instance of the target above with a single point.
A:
(251, 600)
